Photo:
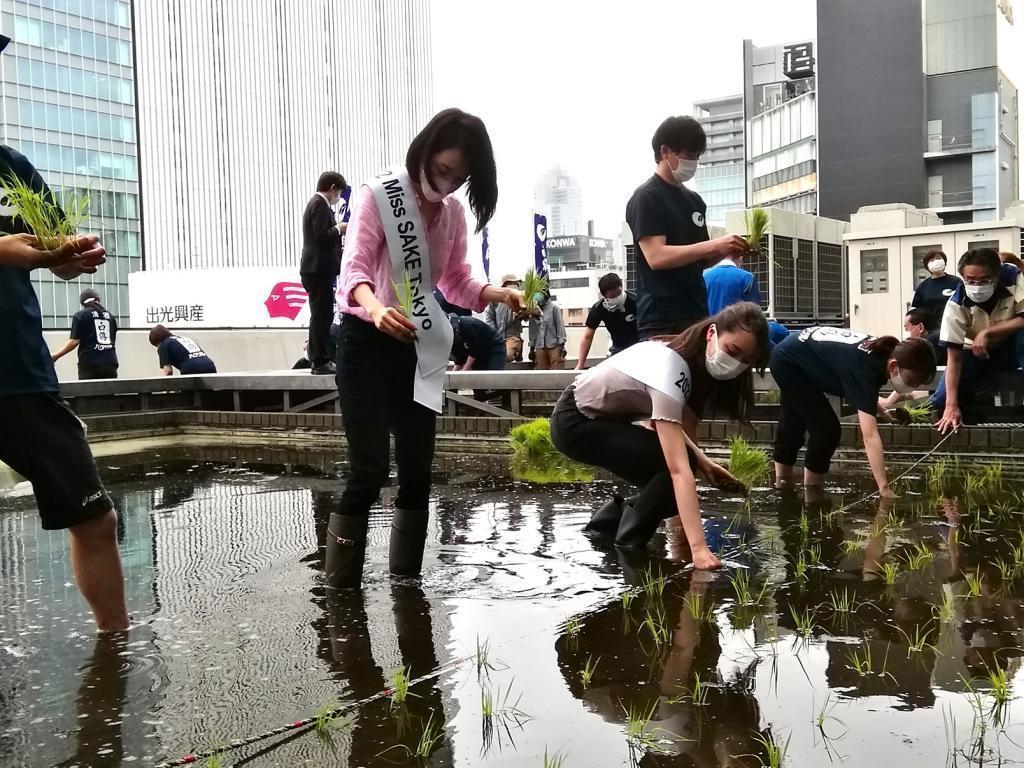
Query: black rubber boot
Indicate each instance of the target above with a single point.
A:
(408, 535)
(605, 521)
(346, 550)
(636, 527)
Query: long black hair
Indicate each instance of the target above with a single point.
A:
(455, 129)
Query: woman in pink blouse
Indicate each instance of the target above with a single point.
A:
(376, 356)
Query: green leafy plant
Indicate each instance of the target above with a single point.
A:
(919, 557)
(973, 581)
(757, 221)
(803, 621)
(329, 719)
(842, 602)
(53, 224)
(432, 733)
(400, 682)
(743, 590)
(557, 760)
(404, 293)
(699, 608)
(944, 612)
(920, 414)
(747, 463)
(653, 586)
(917, 642)
(627, 599)
(587, 673)
(656, 624)
(863, 664)
(698, 692)
(774, 750)
(535, 458)
(532, 284)
(888, 573)
(639, 733)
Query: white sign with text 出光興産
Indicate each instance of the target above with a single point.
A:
(267, 297)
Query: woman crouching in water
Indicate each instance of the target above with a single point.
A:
(662, 380)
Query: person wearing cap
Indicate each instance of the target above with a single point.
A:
(507, 323)
(40, 437)
(94, 335)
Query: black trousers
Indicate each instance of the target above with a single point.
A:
(804, 410)
(97, 372)
(375, 387)
(626, 450)
(320, 289)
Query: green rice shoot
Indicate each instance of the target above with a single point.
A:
(536, 460)
(403, 293)
(52, 224)
(757, 222)
(748, 464)
(533, 284)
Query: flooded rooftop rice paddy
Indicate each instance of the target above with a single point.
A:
(856, 636)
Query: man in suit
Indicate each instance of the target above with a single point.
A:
(320, 265)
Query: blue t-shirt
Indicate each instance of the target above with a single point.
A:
(185, 355)
(25, 365)
(777, 332)
(728, 284)
(836, 362)
(474, 337)
(96, 331)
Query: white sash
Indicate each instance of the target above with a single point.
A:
(410, 253)
(654, 364)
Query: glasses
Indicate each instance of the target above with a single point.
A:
(980, 281)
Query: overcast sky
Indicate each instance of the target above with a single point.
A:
(585, 84)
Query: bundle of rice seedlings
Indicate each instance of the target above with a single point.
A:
(536, 460)
(532, 285)
(921, 413)
(757, 227)
(403, 293)
(747, 463)
(532, 441)
(50, 223)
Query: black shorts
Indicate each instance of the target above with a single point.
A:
(42, 440)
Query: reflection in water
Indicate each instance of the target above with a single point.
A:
(885, 614)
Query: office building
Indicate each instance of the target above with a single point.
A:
(780, 113)
(69, 104)
(560, 197)
(886, 244)
(243, 105)
(720, 175)
(942, 136)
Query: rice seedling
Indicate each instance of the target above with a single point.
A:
(573, 626)
(639, 733)
(52, 223)
(655, 624)
(863, 664)
(216, 760)
(825, 715)
(557, 760)
(775, 751)
(935, 477)
(627, 599)
(329, 719)
(919, 558)
(944, 612)
(400, 682)
(842, 602)
(851, 547)
(699, 608)
(814, 555)
(1007, 572)
(653, 586)
(535, 458)
(917, 642)
(698, 692)
(757, 222)
(404, 294)
(999, 684)
(800, 567)
(587, 673)
(803, 621)
(1018, 555)
(805, 527)
(432, 733)
(973, 581)
(888, 573)
(747, 463)
(744, 592)
(532, 285)
(921, 413)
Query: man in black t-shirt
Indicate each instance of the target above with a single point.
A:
(40, 438)
(670, 237)
(617, 310)
(94, 335)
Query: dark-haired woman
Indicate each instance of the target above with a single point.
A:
(934, 291)
(406, 230)
(657, 380)
(179, 352)
(94, 335)
(821, 361)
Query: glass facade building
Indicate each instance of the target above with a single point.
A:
(560, 197)
(720, 175)
(69, 104)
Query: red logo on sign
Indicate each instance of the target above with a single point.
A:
(286, 300)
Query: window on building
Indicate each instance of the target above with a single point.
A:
(874, 270)
(993, 244)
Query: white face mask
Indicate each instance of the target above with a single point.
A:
(613, 305)
(979, 294)
(435, 195)
(684, 171)
(937, 267)
(899, 385)
(721, 365)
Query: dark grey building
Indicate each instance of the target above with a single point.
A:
(913, 107)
